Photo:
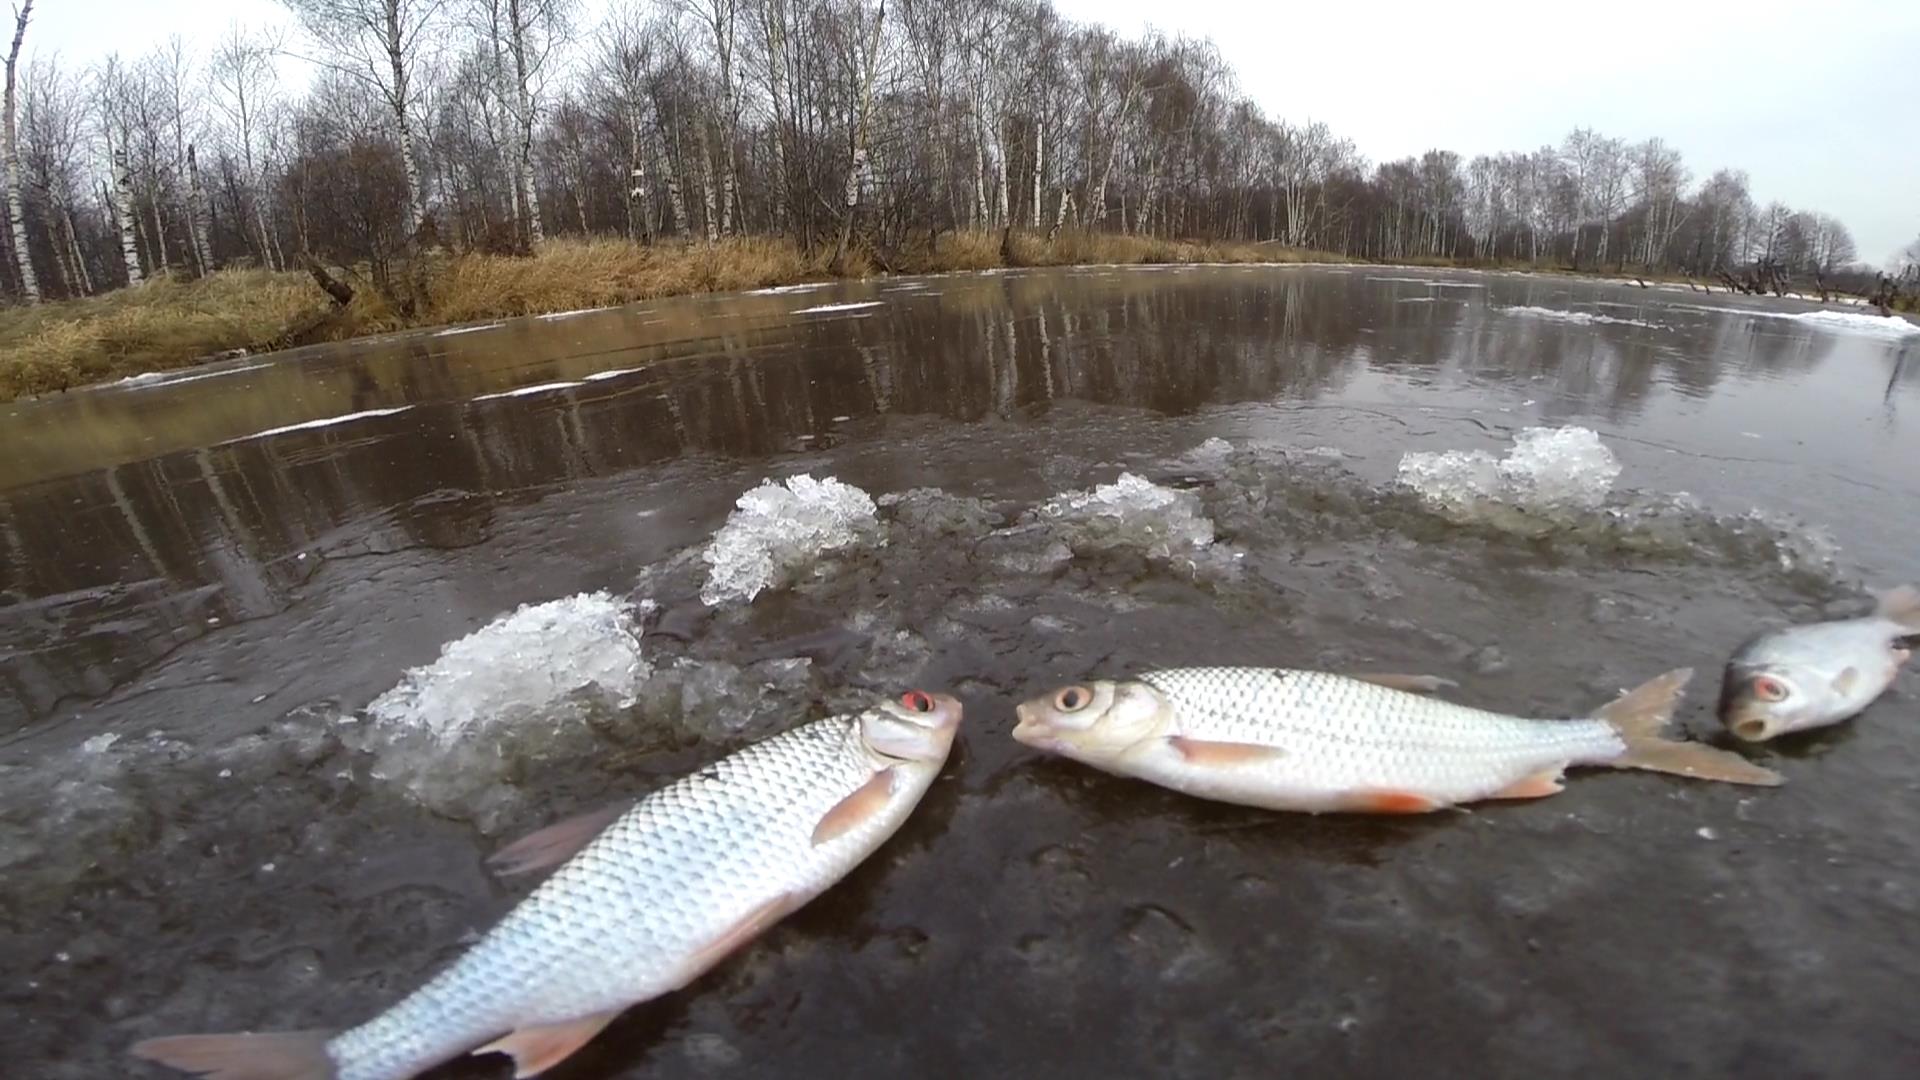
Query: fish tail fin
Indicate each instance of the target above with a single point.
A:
(278, 1055)
(1901, 606)
(1638, 717)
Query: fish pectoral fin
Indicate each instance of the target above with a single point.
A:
(1843, 683)
(1222, 754)
(856, 809)
(751, 926)
(534, 1050)
(1412, 684)
(556, 843)
(1390, 801)
(1538, 786)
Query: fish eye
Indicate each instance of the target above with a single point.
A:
(1770, 689)
(917, 701)
(1072, 699)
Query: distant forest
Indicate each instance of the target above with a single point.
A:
(494, 125)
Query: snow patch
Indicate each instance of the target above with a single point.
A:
(523, 391)
(457, 330)
(778, 531)
(1891, 327)
(854, 306)
(171, 378)
(613, 374)
(327, 421)
(1583, 318)
(1548, 471)
(552, 315)
(779, 290)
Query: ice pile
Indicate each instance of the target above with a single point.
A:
(463, 733)
(1550, 471)
(777, 531)
(1584, 318)
(1129, 514)
(520, 664)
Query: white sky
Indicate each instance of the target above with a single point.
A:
(1813, 100)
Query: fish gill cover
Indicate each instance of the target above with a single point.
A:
(778, 531)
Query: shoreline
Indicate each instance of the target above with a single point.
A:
(168, 325)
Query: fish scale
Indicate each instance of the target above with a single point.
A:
(1339, 733)
(634, 913)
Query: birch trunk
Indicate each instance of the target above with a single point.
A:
(676, 199)
(774, 25)
(707, 194)
(857, 168)
(198, 213)
(529, 191)
(81, 274)
(1039, 157)
(16, 210)
(1001, 214)
(123, 214)
(416, 209)
(1060, 218)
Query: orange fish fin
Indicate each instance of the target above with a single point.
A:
(1223, 754)
(1385, 801)
(556, 843)
(856, 809)
(1538, 786)
(1412, 684)
(279, 1055)
(1843, 682)
(534, 1050)
(748, 928)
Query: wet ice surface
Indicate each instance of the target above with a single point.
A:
(274, 702)
(1581, 317)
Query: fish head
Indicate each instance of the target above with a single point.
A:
(1091, 722)
(1758, 703)
(916, 726)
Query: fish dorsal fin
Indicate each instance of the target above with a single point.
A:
(1412, 684)
(534, 1050)
(556, 843)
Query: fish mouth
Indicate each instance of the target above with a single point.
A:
(1748, 726)
(1033, 729)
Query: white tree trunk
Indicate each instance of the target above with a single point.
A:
(16, 211)
(123, 214)
(416, 209)
(198, 214)
(1039, 156)
(707, 194)
(81, 274)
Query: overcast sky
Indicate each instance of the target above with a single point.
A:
(1814, 100)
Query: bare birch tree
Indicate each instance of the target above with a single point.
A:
(16, 210)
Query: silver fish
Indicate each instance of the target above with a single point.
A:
(1819, 674)
(1318, 742)
(644, 902)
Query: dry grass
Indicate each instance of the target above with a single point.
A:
(169, 323)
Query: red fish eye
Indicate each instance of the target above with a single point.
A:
(1072, 698)
(917, 701)
(1769, 689)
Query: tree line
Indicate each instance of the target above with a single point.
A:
(493, 125)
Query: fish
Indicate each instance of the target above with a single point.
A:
(643, 902)
(1818, 674)
(1318, 742)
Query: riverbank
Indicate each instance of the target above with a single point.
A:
(168, 324)
(171, 323)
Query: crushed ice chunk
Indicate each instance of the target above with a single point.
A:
(931, 512)
(1548, 471)
(99, 743)
(777, 531)
(522, 662)
(1130, 513)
